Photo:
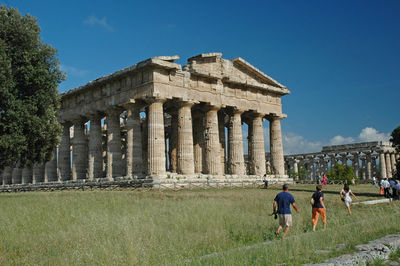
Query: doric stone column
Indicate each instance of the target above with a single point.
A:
(64, 154)
(256, 148)
(185, 155)
(307, 167)
(50, 172)
(343, 158)
(369, 166)
(382, 164)
(7, 175)
(322, 164)
(287, 167)
(296, 166)
(235, 152)
(114, 152)
(95, 160)
(222, 141)
(310, 166)
(173, 143)
(134, 162)
(198, 141)
(364, 168)
(267, 166)
(388, 165)
(356, 164)
(144, 127)
(38, 173)
(27, 174)
(373, 163)
(156, 140)
(16, 176)
(276, 148)
(333, 159)
(212, 150)
(393, 162)
(79, 151)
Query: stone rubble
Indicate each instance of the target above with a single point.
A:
(367, 253)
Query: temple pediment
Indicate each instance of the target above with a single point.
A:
(247, 71)
(238, 71)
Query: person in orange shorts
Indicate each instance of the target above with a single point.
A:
(318, 207)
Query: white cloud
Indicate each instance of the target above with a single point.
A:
(73, 71)
(339, 140)
(371, 134)
(292, 143)
(367, 134)
(295, 144)
(95, 21)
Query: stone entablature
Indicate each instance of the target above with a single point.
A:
(174, 122)
(208, 78)
(371, 146)
(363, 156)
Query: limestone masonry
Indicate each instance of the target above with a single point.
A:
(161, 121)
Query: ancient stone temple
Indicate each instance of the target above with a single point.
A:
(368, 159)
(159, 120)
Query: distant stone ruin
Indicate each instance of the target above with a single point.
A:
(368, 153)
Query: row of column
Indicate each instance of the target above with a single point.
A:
(388, 163)
(196, 145)
(37, 173)
(199, 147)
(319, 164)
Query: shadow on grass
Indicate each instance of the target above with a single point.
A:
(375, 195)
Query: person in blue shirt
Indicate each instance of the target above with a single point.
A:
(281, 206)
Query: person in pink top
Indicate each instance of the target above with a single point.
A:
(324, 181)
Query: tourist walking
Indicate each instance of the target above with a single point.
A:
(345, 195)
(374, 182)
(381, 189)
(392, 183)
(397, 188)
(318, 207)
(265, 181)
(386, 186)
(324, 183)
(281, 205)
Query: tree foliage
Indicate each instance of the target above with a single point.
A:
(395, 139)
(29, 100)
(341, 172)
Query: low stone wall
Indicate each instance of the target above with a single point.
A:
(169, 182)
(376, 249)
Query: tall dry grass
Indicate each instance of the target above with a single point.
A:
(165, 227)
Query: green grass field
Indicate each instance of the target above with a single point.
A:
(142, 227)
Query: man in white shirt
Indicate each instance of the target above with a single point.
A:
(386, 186)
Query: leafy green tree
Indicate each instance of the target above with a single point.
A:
(341, 172)
(29, 100)
(395, 139)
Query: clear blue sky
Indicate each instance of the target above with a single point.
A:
(340, 59)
